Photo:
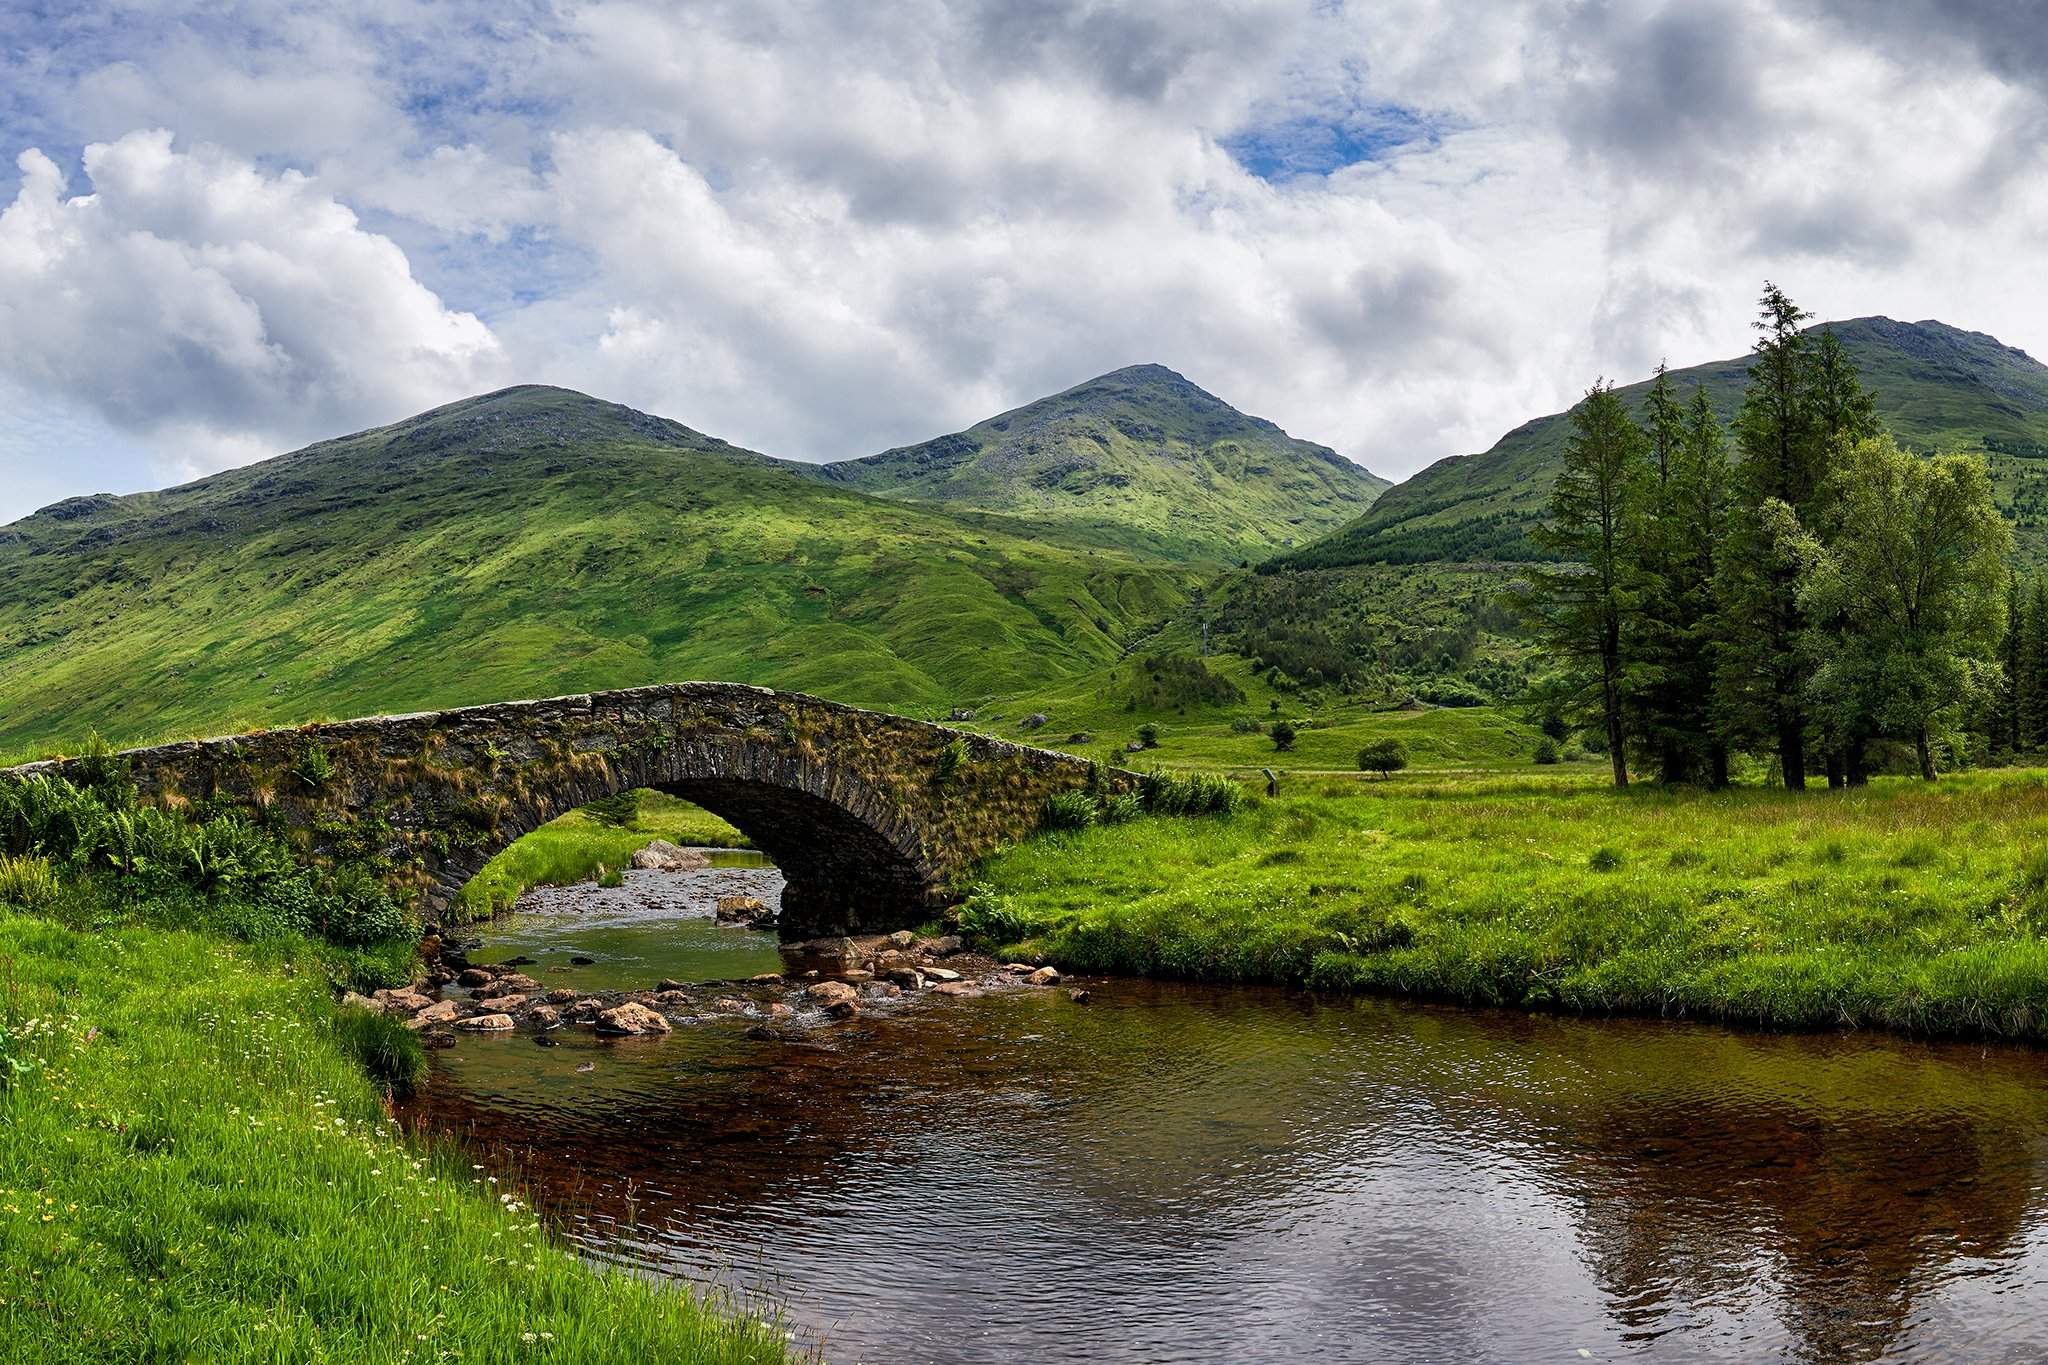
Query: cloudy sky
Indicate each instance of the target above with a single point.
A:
(821, 229)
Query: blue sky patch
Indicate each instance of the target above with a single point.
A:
(1319, 144)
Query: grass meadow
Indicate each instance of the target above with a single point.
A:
(195, 1166)
(1904, 906)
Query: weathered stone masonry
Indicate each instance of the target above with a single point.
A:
(870, 817)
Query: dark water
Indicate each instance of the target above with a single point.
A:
(1179, 1173)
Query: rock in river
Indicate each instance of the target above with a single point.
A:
(631, 1018)
(663, 856)
(489, 1023)
(1044, 976)
(440, 1012)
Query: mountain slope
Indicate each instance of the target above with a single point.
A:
(523, 543)
(1938, 387)
(1139, 457)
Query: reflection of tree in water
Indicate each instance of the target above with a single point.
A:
(1847, 1216)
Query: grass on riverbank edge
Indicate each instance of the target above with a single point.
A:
(578, 847)
(1906, 907)
(193, 1168)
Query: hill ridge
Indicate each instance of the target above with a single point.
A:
(1140, 450)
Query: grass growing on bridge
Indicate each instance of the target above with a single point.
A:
(193, 1167)
(1902, 907)
(578, 847)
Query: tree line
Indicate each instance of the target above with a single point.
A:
(1818, 592)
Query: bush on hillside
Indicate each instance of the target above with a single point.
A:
(1283, 736)
(1383, 756)
(1546, 750)
(1068, 810)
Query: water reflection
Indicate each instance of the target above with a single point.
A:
(1189, 1174)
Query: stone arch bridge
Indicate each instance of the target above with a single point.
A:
(872, 818)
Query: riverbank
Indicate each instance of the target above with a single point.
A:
(194, 1165)
(580, 847)
(1907, 907)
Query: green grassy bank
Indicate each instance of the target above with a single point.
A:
(194, 1166)
(580, 847)
(1904, 907)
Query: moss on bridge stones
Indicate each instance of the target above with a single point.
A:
(872, 817)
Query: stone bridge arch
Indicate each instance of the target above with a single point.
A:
(872, 818)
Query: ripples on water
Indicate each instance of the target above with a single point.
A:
(1182, 1173)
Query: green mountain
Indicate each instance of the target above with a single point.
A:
(524, 543)
(1938, 387)
(1138, 457)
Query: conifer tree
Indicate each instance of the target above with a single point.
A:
(1658, 706)
(1698, 503)
(2034, 669)
(1778, 480)
(2008, 736)
(1583, 608)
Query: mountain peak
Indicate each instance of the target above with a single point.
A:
(1140, 451)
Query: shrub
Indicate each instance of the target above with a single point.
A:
(27, 881)
(989, 918)
(1546, 750)
(621, 810)
(949, 762)
(1244, 725)
(1121, 806)
(1148, 735)
(1068, 810)
(1191, 794)
(1283, 736)
(384, 1047)
(1451, 692)
(357, 910)
(1383, 756)
(313, 768)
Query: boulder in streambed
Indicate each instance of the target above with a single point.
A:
(1044, 976)
(440, 1012)
(942, 974)
(486, 1023)
(944, 946)
(545, 1016)
(747, 910)
(836, 997)
(502, 1004)
(663, 856)
(474, 976)
(632, 1018)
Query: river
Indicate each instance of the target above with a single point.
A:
(1185, 1173)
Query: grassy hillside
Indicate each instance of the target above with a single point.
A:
(524, 543)
(1937, 388)
(1138, 457)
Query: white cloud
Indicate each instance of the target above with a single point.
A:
(820, 229)
(195, 300)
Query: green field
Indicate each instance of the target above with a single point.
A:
(194, 1166)
(1904, 906)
